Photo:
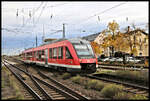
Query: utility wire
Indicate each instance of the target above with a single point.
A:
(57, 5)
(102, 12)
(40, 14)
(29, 18)
(34, 13)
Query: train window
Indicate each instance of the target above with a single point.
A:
(42, 52)
(84, 50)
(50, 53)
(31, 55)
(36, 54)
(68, 55)
(60, 52)
(39, 54)
(28, 55)
(42, 55)
(24, 55)
(55, 53)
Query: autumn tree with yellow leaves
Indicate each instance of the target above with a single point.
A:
(96, 48)
(109, 41)
(113, 27)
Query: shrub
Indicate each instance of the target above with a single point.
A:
(138, 97)
(111, 90)
(55, 74)
(99, 86)
(95, 84)
(133, 75)
(91, 83)
(76, 79)
(66, 76)
(122, 96)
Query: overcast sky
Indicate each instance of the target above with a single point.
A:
(80, 18)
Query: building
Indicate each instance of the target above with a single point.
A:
(139, 40)
(142, 38)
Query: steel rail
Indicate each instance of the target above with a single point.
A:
(64, 90)
(31, 91)
(64, 87)
(118, 82)
(36, 83)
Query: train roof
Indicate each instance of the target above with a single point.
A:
(78, 40)
(72, 40)
(53, 41)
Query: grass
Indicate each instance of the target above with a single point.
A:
(138, 97)
(12, 83)
(94, 84)
(111, 90)
(134, 76)
(66, 76)
(122, 96)
(55, 74)
(3, 84)
(77, 79)
(88, 84)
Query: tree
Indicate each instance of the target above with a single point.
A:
(96, 47)
(113, 28)
(120, 43)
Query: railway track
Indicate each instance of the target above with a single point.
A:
(121, 68)
(26, 86)
(49, 90)
(128, 87)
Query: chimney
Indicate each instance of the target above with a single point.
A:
(128, 29)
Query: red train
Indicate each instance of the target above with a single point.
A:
(73, 55)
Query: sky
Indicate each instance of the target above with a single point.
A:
(80, 19)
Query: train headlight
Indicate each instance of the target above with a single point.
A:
(96, 65)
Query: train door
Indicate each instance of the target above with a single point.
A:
(68, 57)
(46, 57)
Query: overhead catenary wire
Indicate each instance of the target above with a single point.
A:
(98, 14)
(31, 16)
(34, 11)
(16, 32)
(40, 13)
(106, 10)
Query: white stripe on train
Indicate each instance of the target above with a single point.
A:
(54, 64)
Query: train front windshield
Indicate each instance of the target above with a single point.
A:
(84, 51)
